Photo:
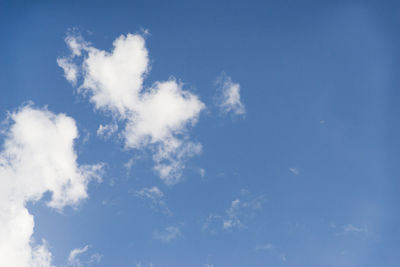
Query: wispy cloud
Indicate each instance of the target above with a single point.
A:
(75, 261)
(228, 96)
(233, 216)
(73, 258)
(294, 171)
(349, 228)
(267, 246)
(156, 198)
(202, 172)
(168, 234)
(106, 131)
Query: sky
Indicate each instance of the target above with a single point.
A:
(199, 133)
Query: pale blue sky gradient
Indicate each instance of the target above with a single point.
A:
(318, 148)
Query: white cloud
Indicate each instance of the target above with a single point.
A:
(73, 256)
(38, 156)
(157, 117)
(233, 217)
(349, 228)
(202, 172)
(170, 156)
(70, 69)
(95, 258)
(107, 130)
(128, 165)
(74, 260)
(156, 196)
(232, 220)
(170, 233)
(228, 98)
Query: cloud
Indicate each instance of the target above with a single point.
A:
(233, 217)
(228, 98)
(139, 264)
(267, 246)
(156, 198)
(95, 258)
(74, 260)
(70, 70)
(170, 233)
(349, 228)
(283, 258)
(156, 118)
(295, 171)
(107, 130)
(274, 250)
(73, 256)
(38, 156)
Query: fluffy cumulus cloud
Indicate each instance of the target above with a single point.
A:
(38, 156)
(228, 97)
(156, 118)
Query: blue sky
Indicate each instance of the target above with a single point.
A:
(278, 119)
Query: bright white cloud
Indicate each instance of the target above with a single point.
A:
(156, 197)
(228, 98)
(170, 233)
(157, 117)
(38, 156)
